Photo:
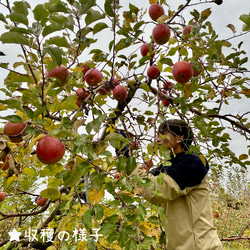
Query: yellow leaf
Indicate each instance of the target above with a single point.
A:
(226, 43)
(3, 107)
(206, 13)
(94, 196)
(82, 245)
(150, 229)
(187, 90)
(82, 211)
(245, 92)
(153, 1)
(162, 19)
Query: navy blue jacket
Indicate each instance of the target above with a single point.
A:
(186, 169)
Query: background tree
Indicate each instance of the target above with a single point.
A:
(93, 82)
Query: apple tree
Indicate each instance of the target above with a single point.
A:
(82, 102)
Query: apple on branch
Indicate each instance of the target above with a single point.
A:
(182, 71)
(187, 30)
(145, 50)
(161, 33)
(14, 131)
(5, 165)
(50, 150)
(93, 77)
(108, 88)
(155, 11)
(40, 201)
(120, 93)
(59, 72)
(2, 196)
(153, 72)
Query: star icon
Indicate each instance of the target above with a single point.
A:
(14, 235)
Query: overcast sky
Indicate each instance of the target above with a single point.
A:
(222, 15)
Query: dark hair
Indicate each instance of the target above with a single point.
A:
(178, 127)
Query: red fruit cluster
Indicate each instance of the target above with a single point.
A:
(50, 150)
(107, 89)
(82, 94)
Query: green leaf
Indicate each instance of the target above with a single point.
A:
(50, 193)
(73, 177)
(19, 18)
(108, 7)
(56, 6)
(86, 5)
(131, 244)
(131, 165)
(12, 104)
(107, 228)
(99, 211)
(12, 118)
(122, 163)
(97, 180)
(92, 16)
(56, 54)
(14, 37)
(87, 219)
(21, 7)
(99, 26)
(40, 12)
(246, 19)
(58, 41)
(2, 18)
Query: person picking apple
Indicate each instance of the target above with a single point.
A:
(184, 191)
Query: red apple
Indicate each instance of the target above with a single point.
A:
(197, 70)
(153, 72)
(50, 150)
(5, 165)
(216, 215)
(118, 175)
(165, 103)
(145, 167)
(93, 77)
(79, 101)
(145, 49)
(14, 131)
(2, 196)
(84, 68)
(120, 93)
(59, 72)
(161, 33)
(167, 85)
(155, 11)
(134, 145)
(40, 201)
(82, 93)
(149, 163)
(182, 71)
(187, 30)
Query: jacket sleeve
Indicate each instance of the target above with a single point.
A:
(160, 193)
